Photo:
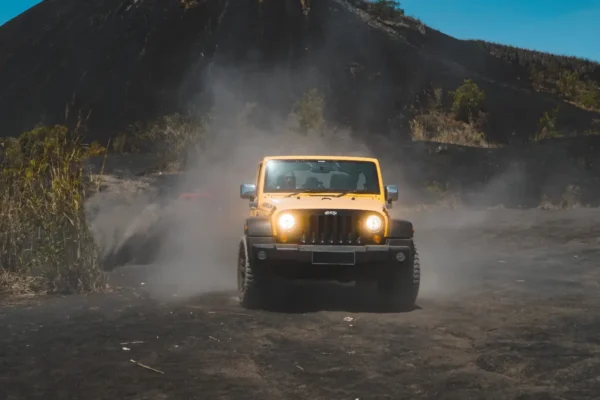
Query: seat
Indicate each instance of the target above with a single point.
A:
(341, 182)
(311, 183)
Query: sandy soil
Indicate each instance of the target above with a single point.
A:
(508, 310)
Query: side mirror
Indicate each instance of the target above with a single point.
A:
(248, 191)
(391, 193)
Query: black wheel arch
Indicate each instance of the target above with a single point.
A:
(401, 229)
(258, 227)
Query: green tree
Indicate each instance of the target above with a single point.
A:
(467, 100)
(385, 9)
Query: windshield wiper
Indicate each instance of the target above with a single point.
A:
(345, 192)
(304, 191)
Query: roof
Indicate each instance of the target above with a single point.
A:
(321, 157)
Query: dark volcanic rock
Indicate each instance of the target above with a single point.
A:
(119, 61)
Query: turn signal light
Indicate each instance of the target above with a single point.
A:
(377, 239)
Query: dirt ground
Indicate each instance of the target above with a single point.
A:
(508, 310)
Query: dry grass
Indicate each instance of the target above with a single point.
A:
(174, 138)
(459, 125)
(187, 4)
(309, 109)
(570, 198)
(437, 126)
(19, 284)
(45, 243)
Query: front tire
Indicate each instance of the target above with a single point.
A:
(247, 282)
(399, 289)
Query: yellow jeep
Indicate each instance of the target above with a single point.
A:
(325, 218)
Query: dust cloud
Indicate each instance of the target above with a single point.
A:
(193, 245)
(458, 244)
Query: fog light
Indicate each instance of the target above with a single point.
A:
(400, 257)
(262, 255)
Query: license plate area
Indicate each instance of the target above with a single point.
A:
(333, 258)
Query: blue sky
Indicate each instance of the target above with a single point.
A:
(11, 8)
(570, 27)
(558, 26)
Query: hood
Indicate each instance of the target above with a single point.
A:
(324, 203)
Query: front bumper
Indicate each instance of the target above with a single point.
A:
(338, 262)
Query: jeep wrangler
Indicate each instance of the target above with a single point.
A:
(325, 218)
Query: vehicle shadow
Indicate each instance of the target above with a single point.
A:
(302, 298)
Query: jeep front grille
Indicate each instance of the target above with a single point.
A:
(343, 228)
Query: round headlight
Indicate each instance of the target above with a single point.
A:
(373, 223)
(287, 221)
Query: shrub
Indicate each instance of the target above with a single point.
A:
(310, 110)
(547, 126)
(439, 127)
(173, 137)
(590, 98)
(538, 78)
(188, 4)
(571, 197)
(582, 92)
(568, 84)
(119, 143)
(44, 237)
(467, 101)
(385, 9)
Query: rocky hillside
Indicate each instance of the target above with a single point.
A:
(114, 62)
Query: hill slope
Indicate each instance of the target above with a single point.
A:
(119, 61)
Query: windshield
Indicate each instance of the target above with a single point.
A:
(321, 176)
